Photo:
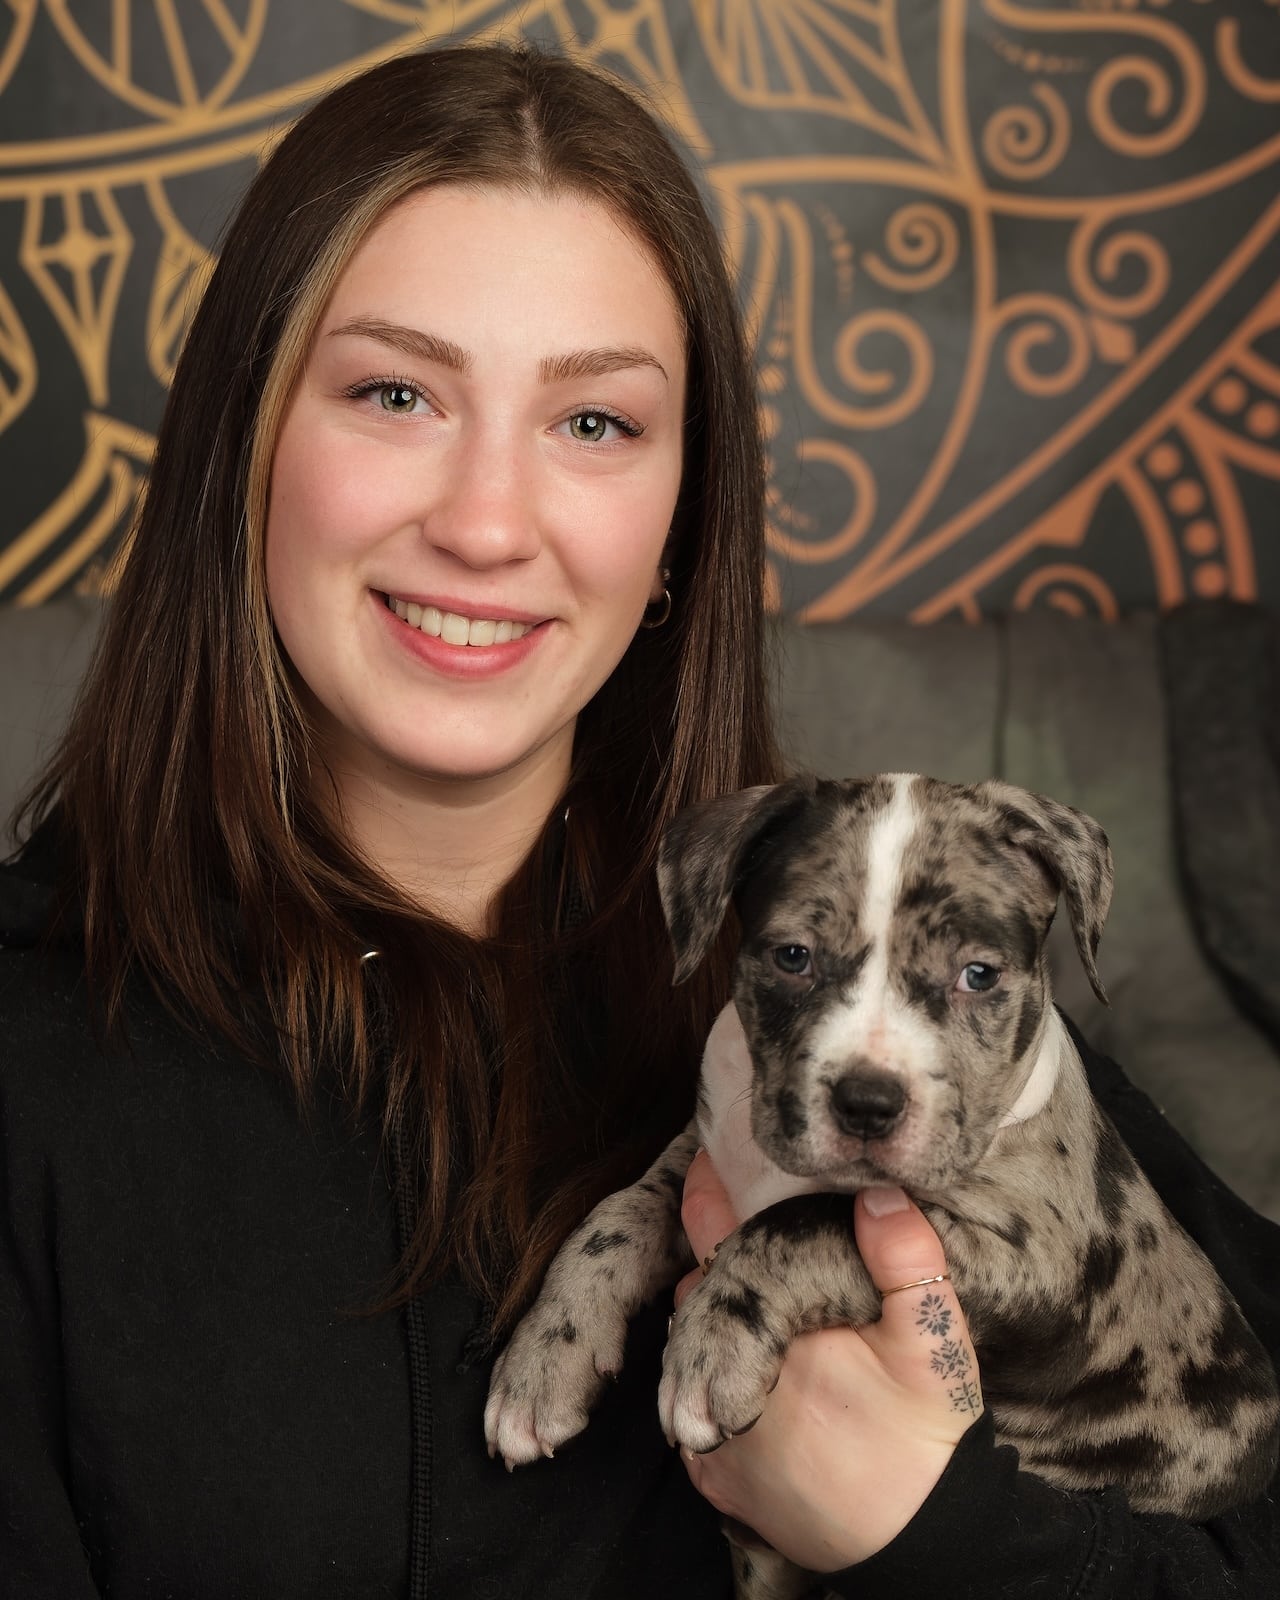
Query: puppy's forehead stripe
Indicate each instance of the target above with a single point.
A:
(890, 835)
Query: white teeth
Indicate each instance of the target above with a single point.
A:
(454, 628)
(482, 632)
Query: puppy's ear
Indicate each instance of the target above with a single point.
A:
(703, 852)
(1074, 849)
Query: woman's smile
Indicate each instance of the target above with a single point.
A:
(455, 627)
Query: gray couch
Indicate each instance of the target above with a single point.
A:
(1074, 708)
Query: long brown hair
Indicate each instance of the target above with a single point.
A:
(524, 1074)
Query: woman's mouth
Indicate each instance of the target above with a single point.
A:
(453, 628)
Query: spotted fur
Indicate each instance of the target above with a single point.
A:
(854, 1053)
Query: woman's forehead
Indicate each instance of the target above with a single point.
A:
(544, 266)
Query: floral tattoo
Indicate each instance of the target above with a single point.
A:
(952, 1358)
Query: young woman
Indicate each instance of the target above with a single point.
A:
(335, 988)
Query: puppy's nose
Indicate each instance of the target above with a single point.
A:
(867, 1104)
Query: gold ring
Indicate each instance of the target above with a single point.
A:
(920, 1283)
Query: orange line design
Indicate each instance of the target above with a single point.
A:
(877, 573)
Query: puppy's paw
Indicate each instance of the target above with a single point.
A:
(721, 1363)
(546, 1381)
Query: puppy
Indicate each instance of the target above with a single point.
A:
(891, 1023)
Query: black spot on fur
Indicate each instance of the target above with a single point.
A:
(744, 1305)
(1104, 1393)
(792, 1117)
(922, 991)
(566, 1333)
(1033, 1358)
(802, 1216)
(1147, 1237)
(845, 971)
(599, 1242)
(1014, 820)
(1134, 1456)
(1236, 1370)
(777, 1006)
(1102, 1263)
(1061, 1148)
(1113, 1171)
(672, 1180)
(1015, 1231)
(925, 894)
(1028, 1022)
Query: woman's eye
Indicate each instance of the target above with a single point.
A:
(599, 427)
(978, 977)
(398, 398)
(793, 959)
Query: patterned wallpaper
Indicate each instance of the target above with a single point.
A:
(1011, 268)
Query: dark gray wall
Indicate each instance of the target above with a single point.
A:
(1012, 268)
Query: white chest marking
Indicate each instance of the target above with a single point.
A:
(724, 1125)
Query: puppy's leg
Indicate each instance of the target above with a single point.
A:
(571, 1340)
(787, 1270)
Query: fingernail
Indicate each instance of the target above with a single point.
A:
(883, 1202)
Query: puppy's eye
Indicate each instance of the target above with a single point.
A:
(977, 978)
(794, 960)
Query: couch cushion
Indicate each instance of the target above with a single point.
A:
(862, 697)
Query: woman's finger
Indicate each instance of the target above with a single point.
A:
(922, 1337)
(707, 1215)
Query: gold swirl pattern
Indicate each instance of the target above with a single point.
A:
(1008, 267)
(863, 488)
(1242, 78)
(1112, 256)
(926, 243)
(1022, 143)
(1036, 335)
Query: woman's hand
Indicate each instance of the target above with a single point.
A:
(862, 1421)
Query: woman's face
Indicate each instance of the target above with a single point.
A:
(474, 483)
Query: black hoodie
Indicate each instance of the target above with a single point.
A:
(194, 1404)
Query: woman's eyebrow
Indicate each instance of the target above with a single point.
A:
(595, 363)
(443, 352)
(425, 346)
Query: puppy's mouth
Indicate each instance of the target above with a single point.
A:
(830, 1158)
(841, 1162)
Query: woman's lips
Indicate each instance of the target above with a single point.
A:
(457, 645)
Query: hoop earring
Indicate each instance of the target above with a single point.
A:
(661, 608)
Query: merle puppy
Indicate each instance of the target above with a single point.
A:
(891, 1023)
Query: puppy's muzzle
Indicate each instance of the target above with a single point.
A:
(867, 1104)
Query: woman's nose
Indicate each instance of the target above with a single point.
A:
(484, 512)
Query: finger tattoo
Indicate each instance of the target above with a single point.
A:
(951, 1358)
